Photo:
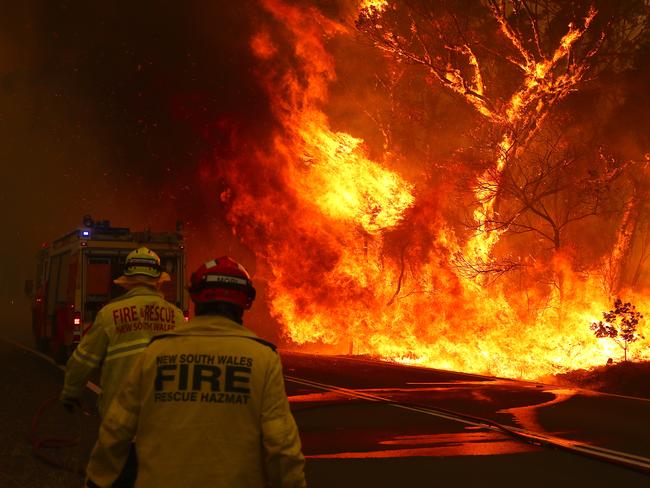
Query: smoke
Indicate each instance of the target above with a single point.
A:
(113, 110)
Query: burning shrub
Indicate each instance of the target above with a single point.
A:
(620, 325)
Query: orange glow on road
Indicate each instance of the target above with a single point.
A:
(431, 445)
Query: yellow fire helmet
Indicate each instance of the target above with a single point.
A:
(142, 261)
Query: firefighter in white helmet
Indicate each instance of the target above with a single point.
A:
(206, 403)
(120, 332)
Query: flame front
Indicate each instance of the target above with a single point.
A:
(378, 5)
(347, 186)
(358, 257)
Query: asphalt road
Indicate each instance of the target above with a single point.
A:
(365, 423)
(370, 424)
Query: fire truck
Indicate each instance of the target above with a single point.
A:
(74, 279)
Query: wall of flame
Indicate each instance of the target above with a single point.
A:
(358, 258)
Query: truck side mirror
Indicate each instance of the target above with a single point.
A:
(29, 287)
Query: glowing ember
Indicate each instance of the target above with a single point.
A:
(377, 5)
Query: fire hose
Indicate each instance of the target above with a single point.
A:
(41, 444)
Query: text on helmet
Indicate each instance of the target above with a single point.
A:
(226, 279)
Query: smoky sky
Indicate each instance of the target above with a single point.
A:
(110, 109)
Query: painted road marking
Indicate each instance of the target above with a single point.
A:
(90, 385)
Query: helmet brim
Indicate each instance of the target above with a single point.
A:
(129, 281)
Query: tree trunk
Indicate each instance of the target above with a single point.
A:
(643, 231)
(623, 244)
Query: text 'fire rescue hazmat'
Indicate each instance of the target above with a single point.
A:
(191, 371)
(205, 403)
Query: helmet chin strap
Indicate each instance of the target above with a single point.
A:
(129, 282)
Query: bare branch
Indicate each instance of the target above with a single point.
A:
(487, 270)
(401, 277)
(533, 22)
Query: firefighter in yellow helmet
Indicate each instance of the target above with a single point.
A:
(206, 403)
(121, 331)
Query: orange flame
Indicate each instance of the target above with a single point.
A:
(526, 107)
(377, 5)
(346, 185)
(359, 258)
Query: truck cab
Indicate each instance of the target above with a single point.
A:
(74, 279)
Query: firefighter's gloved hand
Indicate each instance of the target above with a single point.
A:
(71, 404)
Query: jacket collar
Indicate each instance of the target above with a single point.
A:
(139, 291)
(214, 324)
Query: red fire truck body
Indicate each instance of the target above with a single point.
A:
(74, 279)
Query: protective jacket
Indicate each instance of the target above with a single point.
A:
(121, 331)
(208, 408)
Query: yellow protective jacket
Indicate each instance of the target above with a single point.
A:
(121, 331)
(207, 406)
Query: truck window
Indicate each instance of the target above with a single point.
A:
(73, 267)
(101, 270)
(62, 282)
(41, 271)
(100, 289)
(55, 266)
(98, 279)
(58, 283)
(170, 288)
(117, 269)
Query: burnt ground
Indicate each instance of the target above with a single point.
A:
(626, 378)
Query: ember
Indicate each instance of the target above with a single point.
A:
(485, 261)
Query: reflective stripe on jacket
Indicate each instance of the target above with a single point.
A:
(121, 331)
(208, 408)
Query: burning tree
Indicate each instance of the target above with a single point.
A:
(454, 54)
(633, 208)
(620, 325)
(542, 51)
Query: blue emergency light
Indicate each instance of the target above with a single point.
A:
(85, 233)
